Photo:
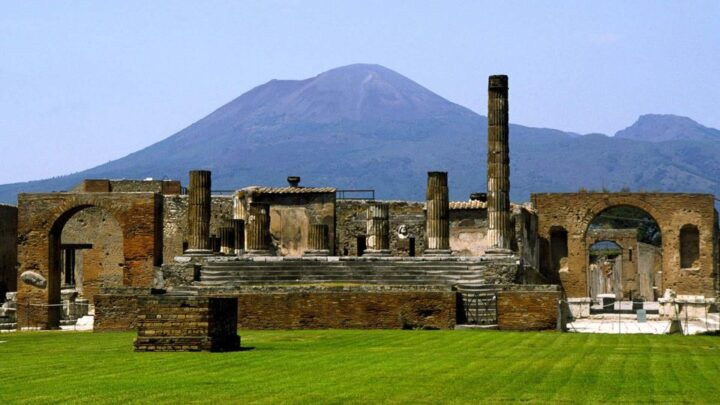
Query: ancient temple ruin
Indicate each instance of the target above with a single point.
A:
(301, 257)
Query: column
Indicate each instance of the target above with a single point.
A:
(199, 213)
(227, 240)
(238, 226)
(437, 223)
(378, 230)
(257, 229)
(498, 167)
(317, 241)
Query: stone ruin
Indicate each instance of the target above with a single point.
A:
(301, 257)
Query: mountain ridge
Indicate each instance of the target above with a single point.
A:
(366, 126)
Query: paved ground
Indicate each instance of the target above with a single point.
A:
(609, 323)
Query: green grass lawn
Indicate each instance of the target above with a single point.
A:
(364, 366)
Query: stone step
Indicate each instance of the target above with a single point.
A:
(8, 326)
(68, 322)
(285, 276)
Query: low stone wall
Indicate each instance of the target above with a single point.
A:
(342, 308)
(117, 309)
(186, 323)
(348, 310)
(528, 309)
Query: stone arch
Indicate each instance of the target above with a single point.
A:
(41, 219)
(616, 201)
(689, 246)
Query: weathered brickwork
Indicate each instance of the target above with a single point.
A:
(347, 310)
(117, 311)
(527, 310)
(573, 212)
(8, 249)
(101, 263)
(41, 218)
(167, 187)
(186, 323)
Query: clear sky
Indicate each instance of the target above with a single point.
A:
(82, 83)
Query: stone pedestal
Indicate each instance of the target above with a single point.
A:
(437, 215)
(227, 240)
(317, 241)
(257, 229)
(187, 323)
(378, 230)
(498, 167)
(579, 307)
(199, 213)
(238, 226)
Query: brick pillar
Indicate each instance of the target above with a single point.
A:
(257, 229)
(199, 213)
(498, 167)
(317, 241)
(378, 230)
(227, 240)
(238, 226)
(437, 224)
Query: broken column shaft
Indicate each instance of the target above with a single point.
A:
(378, 230)
(257, 229)
(238, 226)
(199, 212)
(227, 242)
(437, 215)
(317, 241)
(498, 166)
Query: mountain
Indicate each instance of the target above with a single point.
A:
(666, 127)
(365, 126)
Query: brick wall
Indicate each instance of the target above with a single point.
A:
(8, 249)
(310, 310)
(186, 323)
(527, 310)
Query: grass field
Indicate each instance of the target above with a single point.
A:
(364, 366)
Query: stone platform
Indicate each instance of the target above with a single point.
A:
(187, 323)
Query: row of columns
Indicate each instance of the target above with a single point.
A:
(378, 227)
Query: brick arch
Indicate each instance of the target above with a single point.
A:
(616, 201)
(41, 218)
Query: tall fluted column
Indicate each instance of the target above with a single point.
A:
(199, 212)
(378, 230)
(498, 166)
(257, 228)
(238, 226)
(227, 240)
(437, 224)
(317, 241)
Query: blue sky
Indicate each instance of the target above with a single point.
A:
(82, 83)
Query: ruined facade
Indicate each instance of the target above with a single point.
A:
(299, 257)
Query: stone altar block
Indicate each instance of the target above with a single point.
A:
(187, 323)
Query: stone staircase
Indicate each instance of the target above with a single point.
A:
(365, 272)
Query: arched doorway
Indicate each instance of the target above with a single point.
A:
(86, 254)
(624, 254)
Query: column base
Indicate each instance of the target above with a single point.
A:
(316, 253)
(198, 252)
(376, 252)
(239, 252)
(259, 252)
(437, 252)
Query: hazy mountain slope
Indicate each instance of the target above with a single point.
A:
(365, 126)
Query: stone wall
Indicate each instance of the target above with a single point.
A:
(175, 227)
(102, 264)
(8, 249)
(407, 220)
(124, 186)
(520, 309)
(286, 308)
(573, 212)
